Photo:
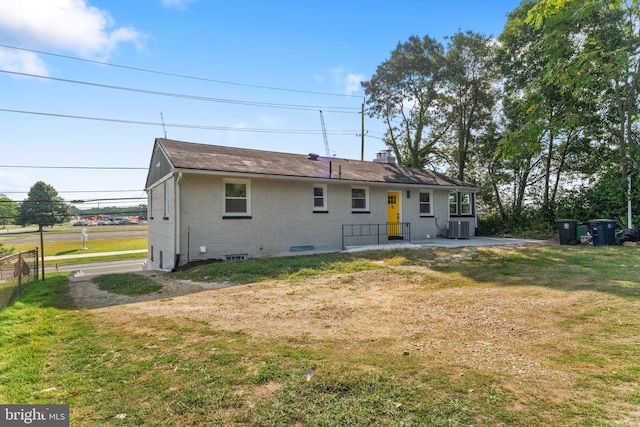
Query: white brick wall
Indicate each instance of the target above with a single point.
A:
(281, 217)
(161, 228)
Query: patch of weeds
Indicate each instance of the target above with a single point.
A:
(396, 261)
(348, 280)
(197, 400)
(256, 270)
(224, 358)
(578, 359)
(303, 273)
(586, 316)
(351, 398)
(402, 364)
(130, 284)
(430, 279)
(270, 370)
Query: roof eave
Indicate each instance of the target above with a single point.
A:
(325, 179)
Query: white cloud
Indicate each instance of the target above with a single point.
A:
(349, 82)
(71, 25)
(23, 62)
(240, 125)
(177, 4)
(353, 83)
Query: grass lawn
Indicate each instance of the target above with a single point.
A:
(141, 369)
(93, 247)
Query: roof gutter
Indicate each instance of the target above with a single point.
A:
(245, 175)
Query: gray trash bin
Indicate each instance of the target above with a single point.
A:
(568, 231)
(603, 231)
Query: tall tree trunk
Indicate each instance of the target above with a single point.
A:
(547, 166)
(561, 160)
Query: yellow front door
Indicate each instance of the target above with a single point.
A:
(393, 213)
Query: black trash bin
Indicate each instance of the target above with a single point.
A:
(603, 231)
(568, 231)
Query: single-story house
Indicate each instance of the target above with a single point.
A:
(215, 202)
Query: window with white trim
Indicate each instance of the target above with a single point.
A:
(237, 197)
(453, 203)
(150, 208)
(320, 198)
(165, 211)
(465, 204)
(461, 204)
(426, 207)
(359, 199)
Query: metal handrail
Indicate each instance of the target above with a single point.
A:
(388, 230)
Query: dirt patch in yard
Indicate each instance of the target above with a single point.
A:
(498, 331)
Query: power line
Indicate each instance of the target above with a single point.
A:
(82, 214)
(78, 191)
(77, 201)
(192, 97)
(189, 126)
(106, 200)
(72, 167)
(146, 70)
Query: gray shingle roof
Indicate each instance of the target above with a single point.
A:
(203, 157)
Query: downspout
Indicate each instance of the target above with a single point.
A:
(177, 241)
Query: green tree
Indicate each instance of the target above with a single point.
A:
(469, 91)
(605, 39)
(403, 93)
(605, 196)
(550, 120)
(489, 173)
(519, 165)
(8, 210)
(43, 207)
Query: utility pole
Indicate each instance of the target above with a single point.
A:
(629, 210)
(41, 249)
(362, 133)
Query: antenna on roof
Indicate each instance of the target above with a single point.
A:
(163, 128)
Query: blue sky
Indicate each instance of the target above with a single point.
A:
(264, 70)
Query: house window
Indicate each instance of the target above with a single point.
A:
(425, 203)
(359, 199)
(461, 204)
(237, 198)
(165, 212)
(150, 208)
(320, 198)
(465, 203)
(453, 203)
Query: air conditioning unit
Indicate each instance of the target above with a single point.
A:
(458, 230)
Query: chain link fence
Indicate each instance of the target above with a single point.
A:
(17, 272)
